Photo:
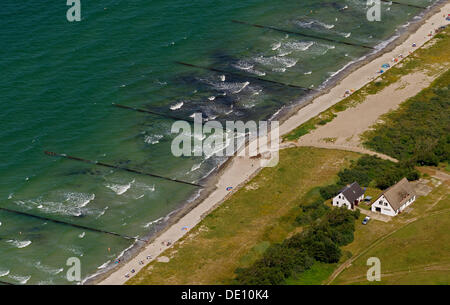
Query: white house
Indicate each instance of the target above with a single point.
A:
(349, 196)
(395, 199)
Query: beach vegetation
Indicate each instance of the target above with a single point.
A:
(419, 130)
(319, 243)
(371, 171)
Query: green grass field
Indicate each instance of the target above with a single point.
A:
(418, 250)
(314, 276)
(238, 232)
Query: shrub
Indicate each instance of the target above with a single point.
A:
(371, 170)
(419, 130)
(320, 242)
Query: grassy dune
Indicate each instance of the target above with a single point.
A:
(419, 129)
(242, 228)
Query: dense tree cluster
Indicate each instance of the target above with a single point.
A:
(371, 171)
(320, 242)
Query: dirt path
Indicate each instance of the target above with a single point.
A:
(350, 148)
(376, 216)
(348, 263)
(345, 130)
(423, 268)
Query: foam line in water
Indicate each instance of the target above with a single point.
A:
(154, 112)
(52, 154)
(406, 4)
(190, 119)
(244, 76)
(19, 244)
(302, 34)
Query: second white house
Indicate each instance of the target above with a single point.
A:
(395, 199)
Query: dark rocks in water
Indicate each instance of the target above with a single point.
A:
(91, 172)
(34, 229)
(123, 162)
(94, 172)
(336, 5)
(78, 172)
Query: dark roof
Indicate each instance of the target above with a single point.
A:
(352, 192)
(400, 193)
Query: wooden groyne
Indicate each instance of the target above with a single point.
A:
(244, 76)
(173, 117)
(303, 34)
(61, 222)
(53, 154)
(405, 4)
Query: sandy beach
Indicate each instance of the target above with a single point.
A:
(240, 169)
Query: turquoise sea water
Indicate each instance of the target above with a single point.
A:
(59, 81)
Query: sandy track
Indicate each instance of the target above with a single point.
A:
(348, 148)
(345, 130)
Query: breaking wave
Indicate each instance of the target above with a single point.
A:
(4, 273)
(248, 67)
(19, 244)
(103, 266)
(64, 203)
(48, 269)
(147, 225)
(313, 24)
(177, 106)
(21, 279)
(119, 189)
(153, 139)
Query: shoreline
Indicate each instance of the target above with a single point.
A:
(237, 171)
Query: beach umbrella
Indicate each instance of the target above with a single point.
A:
(229, 188)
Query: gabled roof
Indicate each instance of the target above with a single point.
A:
(352, 192)
(399, 193)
